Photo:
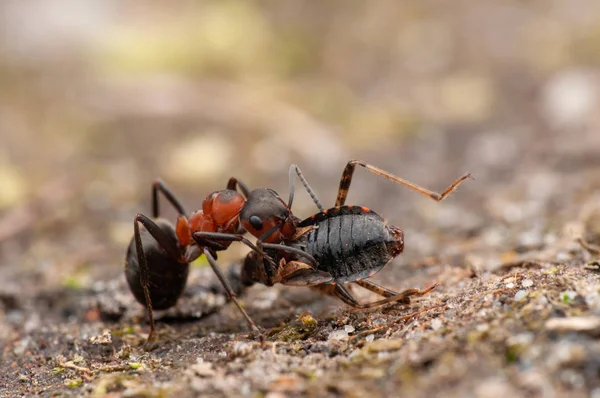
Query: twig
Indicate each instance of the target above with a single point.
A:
(592, 248)
(86, 372)
(405, 317)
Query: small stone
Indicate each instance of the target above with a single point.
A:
(568, 296)
(521, 295)
(527, 283)
(104, 339)
(286, 383)
(349, 329)
(384, 345)
(436, 324)
(241, 349)
(203, 369)
(510, 285)
(563, 256)
(338, 335)
(584, 324)
(369, 338)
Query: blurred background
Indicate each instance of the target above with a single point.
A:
(98, 98)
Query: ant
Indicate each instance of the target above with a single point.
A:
(158, 256)
(344, 244)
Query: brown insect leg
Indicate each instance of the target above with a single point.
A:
(378, 289)
(346, 297)
(230, 294)
(346, 180)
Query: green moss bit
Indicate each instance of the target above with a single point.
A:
(307, 320)
(136, 366)
(71, 383)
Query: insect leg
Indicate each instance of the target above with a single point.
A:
(234, 183)
(346, 297)
(375, 288)
(230, 294)
(293, 250)
(349, 171)
(159, 186)
(212, 239)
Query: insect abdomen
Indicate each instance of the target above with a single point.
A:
(352, 243)
(166, 276)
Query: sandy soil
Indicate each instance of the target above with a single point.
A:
(428, 91)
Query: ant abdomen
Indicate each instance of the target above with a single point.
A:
(167, 277)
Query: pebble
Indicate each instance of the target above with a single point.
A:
(568, 296)
(241, 349)
(520, 295)
(384, 345)
(527, 283)
(338, 335)
(436, 324)
(203, 369)
(584, 324)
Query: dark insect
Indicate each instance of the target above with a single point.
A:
(158, 257)
(341, 245)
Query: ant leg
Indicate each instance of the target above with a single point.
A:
(349, 170)
(234, 183)
(165, 243)
(296, 169)
(159, 186)
(204, 239)
(293, 250)
(212, 238)
(343, 294)
(230, 294)
(592, 248)
(380, 290)
(375, 288)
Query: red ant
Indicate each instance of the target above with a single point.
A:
(158, 257)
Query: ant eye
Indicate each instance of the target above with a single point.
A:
(256, 222)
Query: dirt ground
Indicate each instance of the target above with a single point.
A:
(507, 92)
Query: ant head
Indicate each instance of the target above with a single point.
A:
(224, 207)
(265, 212)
